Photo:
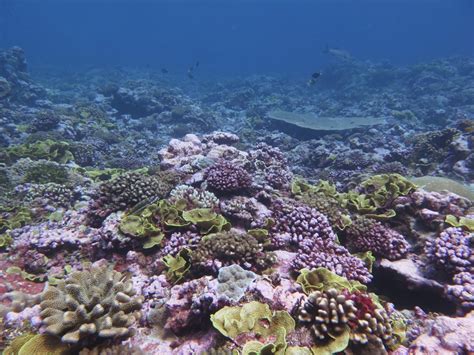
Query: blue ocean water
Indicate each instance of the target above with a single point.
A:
(234, 37)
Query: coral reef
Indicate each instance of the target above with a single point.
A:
(90, 306)
(126, 190)
(127, 226)
(227, 248)
(227, 177)
(452, 250)
(365, 234)
(234, 281)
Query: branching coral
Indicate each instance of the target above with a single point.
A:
(334, 314)
(90, 306)
(269, 166)
(309, 233)
(339, 311)
(180, 240)
(240, 208)
(325, 199)
(452, 250)
(126, 190)
(227, 177)
(366, 234)
(432, 147)
(226, 248)
(299, 222)
(333, 257)
(462, 292)
(47, 194)
(193, 197)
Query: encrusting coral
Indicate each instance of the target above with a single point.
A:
(233, 281)
(91, 306)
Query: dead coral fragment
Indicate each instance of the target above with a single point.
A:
(92, 304)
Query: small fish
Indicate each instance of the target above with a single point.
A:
(315, 76)
(140, 206)
(197, 64)
(338, 53)
(164, 71)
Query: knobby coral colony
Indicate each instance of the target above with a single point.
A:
(224, 251)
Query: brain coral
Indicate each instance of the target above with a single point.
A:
(89, 306)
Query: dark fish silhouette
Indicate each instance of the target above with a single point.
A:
(164, 70)
(313, 78)
(197, 64)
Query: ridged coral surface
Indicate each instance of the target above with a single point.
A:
(88, 305)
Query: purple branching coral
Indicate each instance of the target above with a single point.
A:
(452, 250)
(462, 292)
(227, 177)
(365, 234)
(297, 222)
(315, 253)
(180, 240)
(308, 232)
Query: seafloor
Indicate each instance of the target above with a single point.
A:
(144, 212)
